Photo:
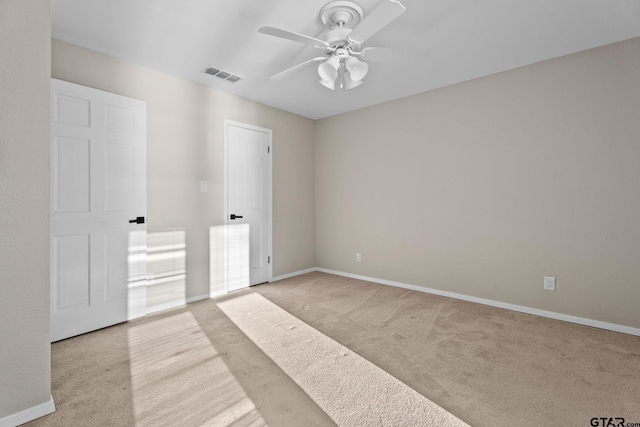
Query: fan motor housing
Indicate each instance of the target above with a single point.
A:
(337, 37)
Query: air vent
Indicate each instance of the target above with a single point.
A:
(231, 78)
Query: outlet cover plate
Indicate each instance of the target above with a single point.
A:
(549, 283)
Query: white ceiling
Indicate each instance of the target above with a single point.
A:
(466, 39)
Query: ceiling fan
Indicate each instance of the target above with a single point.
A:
(344, 63)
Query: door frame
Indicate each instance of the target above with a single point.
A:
(269, 133)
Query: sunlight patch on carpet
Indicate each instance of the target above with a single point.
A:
(350, 389)
(178, 378)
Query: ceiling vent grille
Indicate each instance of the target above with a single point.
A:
(231, 78)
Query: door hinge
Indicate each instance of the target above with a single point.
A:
(269, 260)
(268, 149)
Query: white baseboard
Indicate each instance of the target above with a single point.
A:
(217, 294)
(522, 309)
(294, 274)
(173, 304)
(29, 414)
(543, 313)
(198, 298)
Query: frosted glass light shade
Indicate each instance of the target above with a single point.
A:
(357, 69)
(328, 70)
(331, 84)
(350, 84)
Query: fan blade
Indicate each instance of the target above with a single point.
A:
(379, 18)
(295, 68)
(301, 38)
(395, 56)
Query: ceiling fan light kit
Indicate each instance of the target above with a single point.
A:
(343, 65)
(329, 84)
(357, 69)
(328, 70)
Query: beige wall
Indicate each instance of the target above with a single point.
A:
(185, 144)
(25, 58)
(485, 187)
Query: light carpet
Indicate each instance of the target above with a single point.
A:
(349, 388)
(193, 366)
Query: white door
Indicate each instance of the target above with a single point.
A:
(98, 187)
(248, 205)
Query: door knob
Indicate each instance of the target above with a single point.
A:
(234, 216)
(138, 220)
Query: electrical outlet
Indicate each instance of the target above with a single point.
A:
(358, 257)
(549, 283)
(204, 186)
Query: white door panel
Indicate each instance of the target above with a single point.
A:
(73, 283)
(98, 184)
(72, 164)
(248, 162)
